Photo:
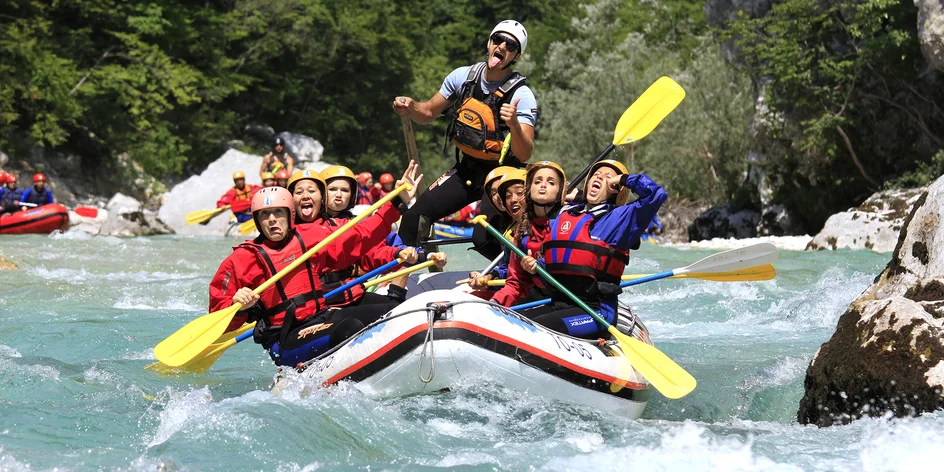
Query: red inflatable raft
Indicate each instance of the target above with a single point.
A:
(40, 220)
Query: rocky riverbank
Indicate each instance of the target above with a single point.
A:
(887, 354)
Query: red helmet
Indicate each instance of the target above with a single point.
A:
(39, 178)
(281, 175)
(3, 177)
(386, 179)
(272, 197)
(363, 177)
(11, 178)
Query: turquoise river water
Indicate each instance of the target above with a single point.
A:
(81, 316)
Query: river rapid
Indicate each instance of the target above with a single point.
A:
(81, 316)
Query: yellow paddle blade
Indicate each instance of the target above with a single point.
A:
(200, 216)
(247, 227)
(670, 379)
(192, 339)
(206, 358)
(761, 272)
(399, 273)
(648, 111)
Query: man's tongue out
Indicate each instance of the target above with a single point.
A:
(495, 60)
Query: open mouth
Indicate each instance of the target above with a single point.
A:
(497, 58)
(307, 210)
(274, 229)
(595, 188)
(515, 208)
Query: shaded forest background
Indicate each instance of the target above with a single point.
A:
(171, 83)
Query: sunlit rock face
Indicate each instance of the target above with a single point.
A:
(887, 354)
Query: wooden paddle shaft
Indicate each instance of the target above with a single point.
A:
(411, 151)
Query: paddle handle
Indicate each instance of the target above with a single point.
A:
(328, 240)
(362, 278)
(399, 273)
(410, 140)
(574, 183)
(244, 336)
(543, 273)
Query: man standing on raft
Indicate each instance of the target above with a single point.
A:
(492, 103)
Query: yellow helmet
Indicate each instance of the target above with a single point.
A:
(495, 174)
(623, 196)
(510, 178)
(341, 172)
(239, 175)
(306, 175)
(267, 176)
(534, 168)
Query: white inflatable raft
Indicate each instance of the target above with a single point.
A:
(447, 339)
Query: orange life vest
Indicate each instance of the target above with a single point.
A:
(477, 129)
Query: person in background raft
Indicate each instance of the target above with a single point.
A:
(291, 321)
(10, 195)
(365, 182)
(281, 178)
(278, 160)
(588, 247)
(38, 194)
(238, 197)
(492, 102)
(382, 188)
(268, 179)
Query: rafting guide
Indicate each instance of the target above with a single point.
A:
(492, 102)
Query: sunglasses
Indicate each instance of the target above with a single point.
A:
(510, 44)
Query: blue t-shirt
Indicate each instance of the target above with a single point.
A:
(527, 107)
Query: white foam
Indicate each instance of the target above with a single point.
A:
(685, 448)
(787, 243)
(181, 409)
(7, 351)
(467, 458)
(132, 302)
(80, 276)
(9, 463)
(906, 445)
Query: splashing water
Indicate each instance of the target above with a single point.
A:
(82, 314)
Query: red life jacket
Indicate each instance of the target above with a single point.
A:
(302, 283)
(571, 250)
(363, 196)
(334, 279)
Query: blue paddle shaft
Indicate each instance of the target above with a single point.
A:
(246, 335)
(362, 278)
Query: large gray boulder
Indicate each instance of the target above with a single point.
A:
(887, 354)
(127, 218)
(931, 31)
(875, 224)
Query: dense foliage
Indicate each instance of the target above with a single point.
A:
(854, 105)
(172, 82)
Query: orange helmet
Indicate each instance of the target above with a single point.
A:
(239, 175)
(623, 196)
(306, 175)
(533, 168)
(341, 172)
(282, 174)
(363, 177)
(39, 178)
(272, 197)
(386, 179)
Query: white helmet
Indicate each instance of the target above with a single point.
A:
(515, 29)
